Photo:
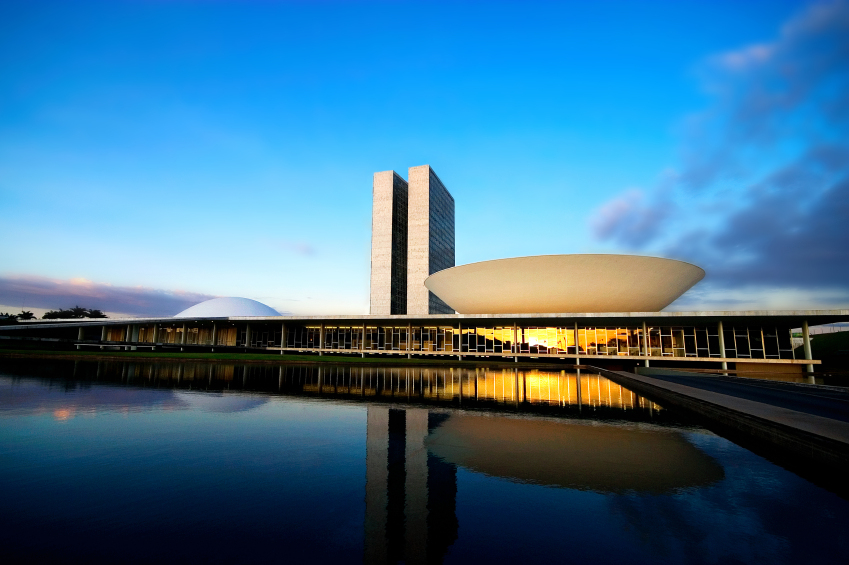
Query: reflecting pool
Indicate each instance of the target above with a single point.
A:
(136, 462)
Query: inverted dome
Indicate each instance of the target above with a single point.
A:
(228, 307)
(564, 283)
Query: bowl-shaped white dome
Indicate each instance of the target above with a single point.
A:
(228, 307)
(564, 284)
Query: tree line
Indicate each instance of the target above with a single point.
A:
(75, 312)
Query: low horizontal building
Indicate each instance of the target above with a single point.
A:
(733, 340)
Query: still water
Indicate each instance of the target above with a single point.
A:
(140, 462)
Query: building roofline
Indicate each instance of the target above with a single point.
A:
(814, 317)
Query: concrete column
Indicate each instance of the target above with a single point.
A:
(515, 345)
(646, 348)
(102, 335)
(321, 340)
(577, 348)
(183, 338)
(282, 338)
(722, 345)
(363, 343)
(214, 328)
(155, 333)
(134, 336)
(80, 336)
(409, 340)
(460, 341)
(128, 333)
(806, 340)
(247, 336)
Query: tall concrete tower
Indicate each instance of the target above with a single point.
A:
(430, 238)
(388, 244)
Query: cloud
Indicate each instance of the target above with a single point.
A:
(761, 195)
(298, 247)
(629, 218)
(41, 292)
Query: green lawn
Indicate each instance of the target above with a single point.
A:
(826, 345)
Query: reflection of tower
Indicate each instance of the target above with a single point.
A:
(410, 494)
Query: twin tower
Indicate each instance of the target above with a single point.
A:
(412, 237)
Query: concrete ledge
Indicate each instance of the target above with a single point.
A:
(817, 439)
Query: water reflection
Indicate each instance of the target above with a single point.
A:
(410, 493)
(381, 465)
(584, 456)
(559, 392)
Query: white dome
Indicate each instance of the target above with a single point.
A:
(228, 307)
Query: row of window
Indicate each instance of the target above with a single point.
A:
(683, 341)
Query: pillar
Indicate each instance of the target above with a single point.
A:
(722, 345)
(515, 345)
(321, 340)
(102, 335)
(128, 333)
(183, 339)
(155, 333)
(577, 349)
(806, 340)
(247, 336)
(214, 328)
(409, 340)
(460, 341)
(363, 343)
(646, 349)
(80, 336)
(134, 336)
(282, 339)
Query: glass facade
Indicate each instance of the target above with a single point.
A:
(399, 246)
(441, 243)
(703, 342)
(665, 341)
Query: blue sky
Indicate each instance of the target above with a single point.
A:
(153, 154)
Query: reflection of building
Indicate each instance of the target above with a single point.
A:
(410, 494)
(574, 454)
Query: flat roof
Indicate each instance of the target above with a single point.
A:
(768, 317)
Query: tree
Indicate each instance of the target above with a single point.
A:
(25, 315)
(75, 312)
(7, 319)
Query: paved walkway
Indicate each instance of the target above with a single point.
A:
(810, 399)
(808, 421)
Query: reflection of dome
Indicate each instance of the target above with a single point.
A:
(222, 403)
(578, 456)
(564, 283)
(228, 307)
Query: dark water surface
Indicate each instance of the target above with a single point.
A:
(139, 462)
